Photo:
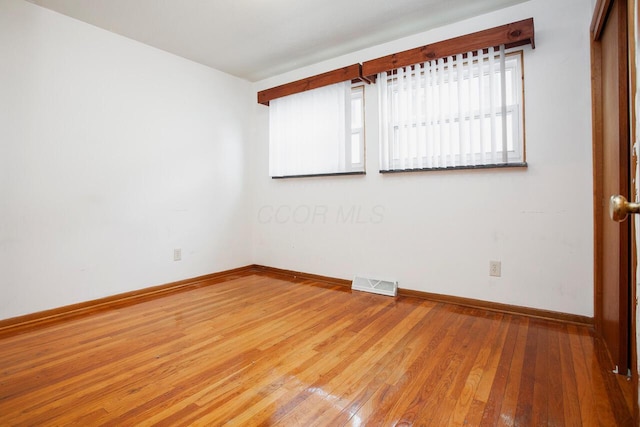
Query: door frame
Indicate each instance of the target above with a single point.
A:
(633, 25)
(618, 267)
(600, 15)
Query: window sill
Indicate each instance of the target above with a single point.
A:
(319, 174)
(453, 168)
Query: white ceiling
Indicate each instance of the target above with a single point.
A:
(256, 39)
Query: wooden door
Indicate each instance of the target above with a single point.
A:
(611, 151)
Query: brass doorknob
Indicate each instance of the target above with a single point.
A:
(619, 208)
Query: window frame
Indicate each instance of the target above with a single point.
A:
(516, 156)
(515, 34)
(357, 93)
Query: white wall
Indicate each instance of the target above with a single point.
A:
(112, 154)
(437, 231)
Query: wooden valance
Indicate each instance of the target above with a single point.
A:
(352, 72)
(511, 35)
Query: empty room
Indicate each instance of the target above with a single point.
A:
(337, 213)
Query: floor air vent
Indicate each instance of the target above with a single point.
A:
(383, 287)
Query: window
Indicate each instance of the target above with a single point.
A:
(317, 132)
(456, 103)
(357, 127)
(464, 110)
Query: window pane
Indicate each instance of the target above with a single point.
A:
(355, 148)
(310, 132)
(449, 112)
(357, 127)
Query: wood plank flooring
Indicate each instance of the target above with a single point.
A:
(259, 350)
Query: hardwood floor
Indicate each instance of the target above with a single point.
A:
(261, 350)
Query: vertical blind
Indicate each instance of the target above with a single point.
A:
(462, 110)
(310, 132)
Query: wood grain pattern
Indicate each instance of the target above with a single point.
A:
(34, 320)
(263, 349)
(633, 23)
(612, 176)
(499, 307)
(20, 323)
(352, 72)
(511, 35)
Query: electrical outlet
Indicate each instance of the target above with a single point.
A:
(495, 268)
(177, 254)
